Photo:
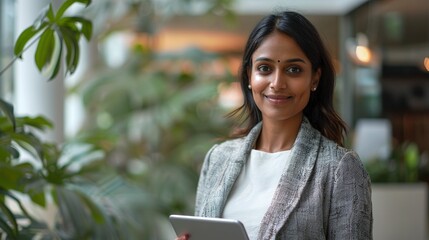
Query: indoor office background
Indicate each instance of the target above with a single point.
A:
(151, 90)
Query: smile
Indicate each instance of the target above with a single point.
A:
(278, 98)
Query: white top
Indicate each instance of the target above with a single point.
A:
(254, 189)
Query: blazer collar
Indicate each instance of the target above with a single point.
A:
(293, 181)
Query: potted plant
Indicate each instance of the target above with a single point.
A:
(400, 193)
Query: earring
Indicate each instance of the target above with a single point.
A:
(314, 89)
(248, 86)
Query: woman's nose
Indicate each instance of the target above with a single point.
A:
(278, 81)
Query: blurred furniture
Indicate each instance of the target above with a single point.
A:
(372, 138)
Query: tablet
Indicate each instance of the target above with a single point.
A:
(202, 228)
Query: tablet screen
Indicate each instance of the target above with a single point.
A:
(202, 228)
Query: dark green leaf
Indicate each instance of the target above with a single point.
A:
(29, 143)
(71, 39)
(7, 229)
(50, 14)
(52, 68)
(17, 202)
(7, 109)
(23, 38)
(38, 198)
(10, 177)
(8, 153)
(44, 48)
(38, 122)
(85, 25)
(63, 8)
(57, 62)
(10, 218)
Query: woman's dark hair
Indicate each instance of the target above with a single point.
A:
(319, 110)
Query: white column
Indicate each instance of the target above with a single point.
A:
(346, 85)
(34, 94)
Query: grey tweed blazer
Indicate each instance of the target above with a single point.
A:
(324, 194)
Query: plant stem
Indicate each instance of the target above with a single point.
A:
(17, 56)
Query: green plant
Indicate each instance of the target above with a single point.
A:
(403, 165)
(34, 172)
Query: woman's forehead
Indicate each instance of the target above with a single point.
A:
(279, 46)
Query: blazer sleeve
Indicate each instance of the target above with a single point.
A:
(351, 208)
(202, 189)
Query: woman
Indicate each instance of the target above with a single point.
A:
(286, 175)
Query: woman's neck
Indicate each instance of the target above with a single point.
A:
(278, 135)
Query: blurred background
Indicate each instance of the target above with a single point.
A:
(157, 78)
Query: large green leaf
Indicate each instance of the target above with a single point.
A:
(44, 49)
(24, 37)
(10, 177)
(72, 44)
(52, 67)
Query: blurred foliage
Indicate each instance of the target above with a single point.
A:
(149, 124)
(155, 116)
(148, 16)
(405, 164)
(155, 120)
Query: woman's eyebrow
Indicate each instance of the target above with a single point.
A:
(291, 60)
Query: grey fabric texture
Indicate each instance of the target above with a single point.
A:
(324, 194)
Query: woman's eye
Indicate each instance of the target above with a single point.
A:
(263, 68)
(293, 70)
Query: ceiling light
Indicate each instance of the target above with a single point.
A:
(359, 50)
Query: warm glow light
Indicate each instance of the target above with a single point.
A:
(426, 63)
(363, 54)
(208, 40)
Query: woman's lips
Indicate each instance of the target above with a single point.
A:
(278, 98)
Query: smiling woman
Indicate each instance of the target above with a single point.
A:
(285, 175)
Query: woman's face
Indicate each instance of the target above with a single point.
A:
(281, 78)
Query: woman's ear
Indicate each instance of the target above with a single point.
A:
(316, 78)
(249, 76)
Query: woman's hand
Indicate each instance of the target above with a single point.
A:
(184, 237)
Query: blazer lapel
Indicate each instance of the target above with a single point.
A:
(231, 169)
(293, 181)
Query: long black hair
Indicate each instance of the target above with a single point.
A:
(319, 110)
